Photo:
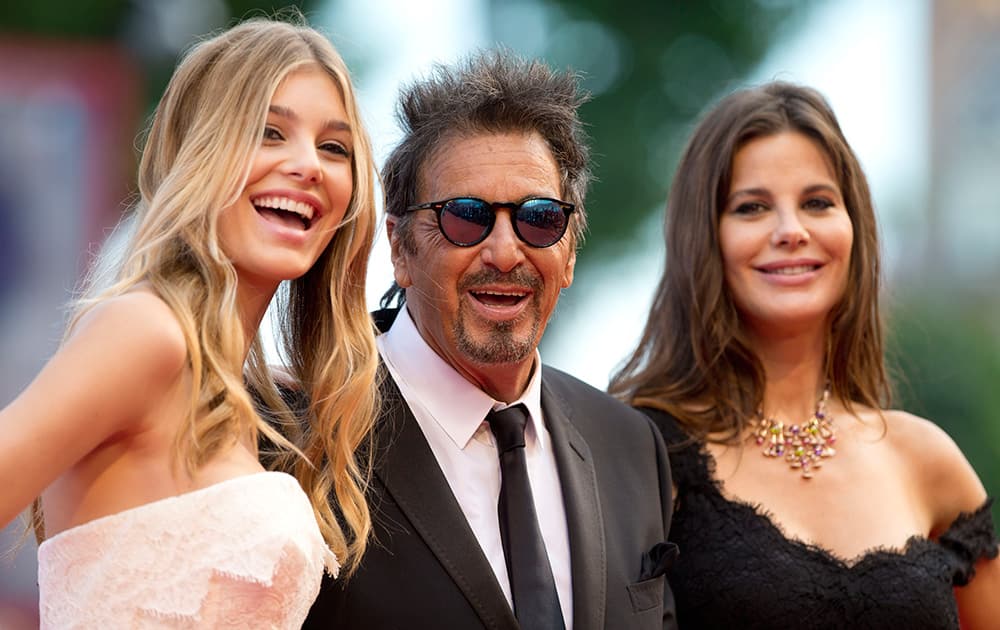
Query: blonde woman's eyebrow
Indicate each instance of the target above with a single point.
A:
(333, 124)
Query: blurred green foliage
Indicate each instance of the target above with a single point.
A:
(94, 19)
(668, 61)
(101, 19)
(944, 346)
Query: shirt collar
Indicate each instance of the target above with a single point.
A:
(457, 405)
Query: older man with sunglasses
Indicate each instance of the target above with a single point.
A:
(506, 494)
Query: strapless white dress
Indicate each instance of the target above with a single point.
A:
(244, 553)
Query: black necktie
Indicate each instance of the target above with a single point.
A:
(536, 603)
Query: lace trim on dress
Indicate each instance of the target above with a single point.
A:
(969, 538)
(165, 560)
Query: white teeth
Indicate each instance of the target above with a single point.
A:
(283, 203)
(791, 271)
(502, 293)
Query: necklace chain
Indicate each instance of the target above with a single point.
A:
(803, 446)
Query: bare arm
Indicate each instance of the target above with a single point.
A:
(978, 601)
(121, 359)
(952, 487)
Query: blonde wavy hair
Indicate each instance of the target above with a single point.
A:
(196, 161)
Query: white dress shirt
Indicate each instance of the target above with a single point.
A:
(451, 412)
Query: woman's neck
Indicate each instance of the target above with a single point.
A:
(252, 303)
(794, 369)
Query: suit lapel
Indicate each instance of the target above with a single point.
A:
(583, 512)
(411, 475)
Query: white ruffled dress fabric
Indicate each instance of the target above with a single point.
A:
(243, 553)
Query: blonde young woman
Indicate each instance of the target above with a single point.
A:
(802, 501)
(139, 435)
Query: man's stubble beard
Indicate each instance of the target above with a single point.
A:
(502, 346)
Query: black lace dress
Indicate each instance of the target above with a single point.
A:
(737, 570)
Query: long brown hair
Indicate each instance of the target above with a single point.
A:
(693, 360)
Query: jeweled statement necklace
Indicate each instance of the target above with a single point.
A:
(803, 446)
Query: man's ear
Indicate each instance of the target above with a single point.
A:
(398, 254)
(567, 278)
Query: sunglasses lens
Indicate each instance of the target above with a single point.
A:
(466, 221)
(541, 222)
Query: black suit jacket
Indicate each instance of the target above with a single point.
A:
(424, 567)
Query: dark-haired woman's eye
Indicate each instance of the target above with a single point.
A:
(750, 208)
(818, 203)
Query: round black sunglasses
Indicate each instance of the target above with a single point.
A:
(467, 221)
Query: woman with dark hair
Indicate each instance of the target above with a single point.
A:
(802, 501)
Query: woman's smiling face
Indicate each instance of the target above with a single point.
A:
(299, 186)
(785, 234)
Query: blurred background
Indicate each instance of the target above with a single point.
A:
(914, 82)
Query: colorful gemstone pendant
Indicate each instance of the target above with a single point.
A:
(803, 446)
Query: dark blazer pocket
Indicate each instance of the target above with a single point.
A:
(647, 595)
(658, 560)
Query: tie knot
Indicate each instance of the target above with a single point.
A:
(508, 426)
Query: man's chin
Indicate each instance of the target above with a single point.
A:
(497, 353)
(497, 343)
(498, 348)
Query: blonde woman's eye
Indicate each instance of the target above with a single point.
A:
(335, 148)
(270, 133)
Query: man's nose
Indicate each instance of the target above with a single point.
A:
(502, 248)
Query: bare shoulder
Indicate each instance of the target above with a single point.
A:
(136, 328)
(943, 475)
(913, 433)
(124, 358)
